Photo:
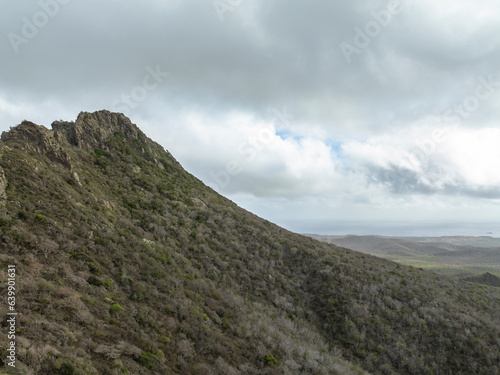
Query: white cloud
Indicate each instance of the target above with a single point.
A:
(476, 156)
(459, 161)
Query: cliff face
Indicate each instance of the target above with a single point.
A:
(126, 263)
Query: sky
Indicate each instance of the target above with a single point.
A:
(311, 114)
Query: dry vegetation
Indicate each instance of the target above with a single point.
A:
(128, 264)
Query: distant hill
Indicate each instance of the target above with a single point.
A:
(127, 264)
(378, 245)
(486, 278)
(460, 256)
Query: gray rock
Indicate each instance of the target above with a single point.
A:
(3, 185)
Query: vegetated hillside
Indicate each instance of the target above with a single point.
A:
(126, 263)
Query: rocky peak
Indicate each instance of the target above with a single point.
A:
(28, 131)
(91, 130)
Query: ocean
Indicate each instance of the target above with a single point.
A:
(410, 229)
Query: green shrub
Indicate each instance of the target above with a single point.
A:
(100, 241)
(201, 218)
(107, 283)
(100, 152)
(115, 307)
(40, 218)
(92, 280)
(93, 266)
(270, 360)
(66, 369)
(5, 222)
(148, 360)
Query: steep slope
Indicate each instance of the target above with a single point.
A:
(126, 263)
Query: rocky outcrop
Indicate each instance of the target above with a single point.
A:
(40, 139)
(3, 185)
(89, 131)
(92, 130)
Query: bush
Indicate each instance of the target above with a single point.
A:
(66, 369)
(107, 283)
(270, 360)
(148, 360)
(40, 218)
(100, 152)
(5, 222)
(100, 241)
(92, 280)
(164, 340)
(115, 307)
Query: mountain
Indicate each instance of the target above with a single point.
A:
(125, 263)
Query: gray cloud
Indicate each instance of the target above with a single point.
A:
(406, 182)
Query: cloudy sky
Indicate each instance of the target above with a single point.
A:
(312, 114)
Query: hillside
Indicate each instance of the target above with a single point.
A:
(127, 264)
